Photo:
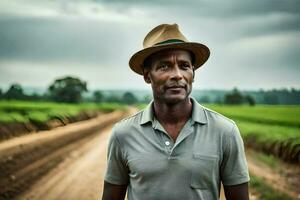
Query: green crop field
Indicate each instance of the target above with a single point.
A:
(265, 114)
(24, 111)
(266, 132)
(271, 129)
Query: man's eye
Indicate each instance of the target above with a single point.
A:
(185, 65)
(163, 66)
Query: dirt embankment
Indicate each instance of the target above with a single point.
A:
(282, 177)
(11, 130)
(24, 159)
(288, 151)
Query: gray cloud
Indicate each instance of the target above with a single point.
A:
(233, 18)
(255, 42)
(83, 41)
(213, 8)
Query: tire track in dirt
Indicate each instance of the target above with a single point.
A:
(80, 176)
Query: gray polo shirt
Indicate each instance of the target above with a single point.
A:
(209, 150)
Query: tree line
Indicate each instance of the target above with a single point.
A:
(271, 97)
(72, 89)
(65, 90)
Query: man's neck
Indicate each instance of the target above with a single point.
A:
(173, 113)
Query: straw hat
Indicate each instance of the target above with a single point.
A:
(167, 36)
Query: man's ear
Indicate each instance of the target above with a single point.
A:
(146, 74)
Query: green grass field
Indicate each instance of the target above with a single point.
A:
(265, 114)
(24, 111)
(271, 129)
(266, 132)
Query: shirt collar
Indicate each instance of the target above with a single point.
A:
(198, 113)
(147, 115)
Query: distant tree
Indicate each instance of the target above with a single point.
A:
(204, 99)
(295, 96)
(15, 91)
(112, 99)
(67, 89)
(129, 98)
(234, 97)
(250, 100)
(218, 100)
(1, 93)
(98, 96)
(293, 90)
(271, 97)
(35, 97)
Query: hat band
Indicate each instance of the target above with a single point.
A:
(169, 42)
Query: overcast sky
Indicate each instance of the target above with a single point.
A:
(254, 44)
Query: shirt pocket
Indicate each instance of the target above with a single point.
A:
(203, 171)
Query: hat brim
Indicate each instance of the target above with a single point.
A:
(200, 51)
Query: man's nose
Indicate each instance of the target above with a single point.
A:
(176, 73)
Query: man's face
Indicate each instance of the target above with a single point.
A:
(171, 75)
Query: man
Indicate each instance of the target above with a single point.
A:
(175, 148)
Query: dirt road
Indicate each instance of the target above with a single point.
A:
(79, 176)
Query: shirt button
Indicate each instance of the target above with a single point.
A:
(167, 143)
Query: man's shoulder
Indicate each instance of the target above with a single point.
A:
(129, 122)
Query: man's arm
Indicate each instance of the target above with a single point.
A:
(116, 177)
(113, 192)
(237, 192)
(234, 170)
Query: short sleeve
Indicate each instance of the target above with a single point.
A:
(117, 171)
(234, 169)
